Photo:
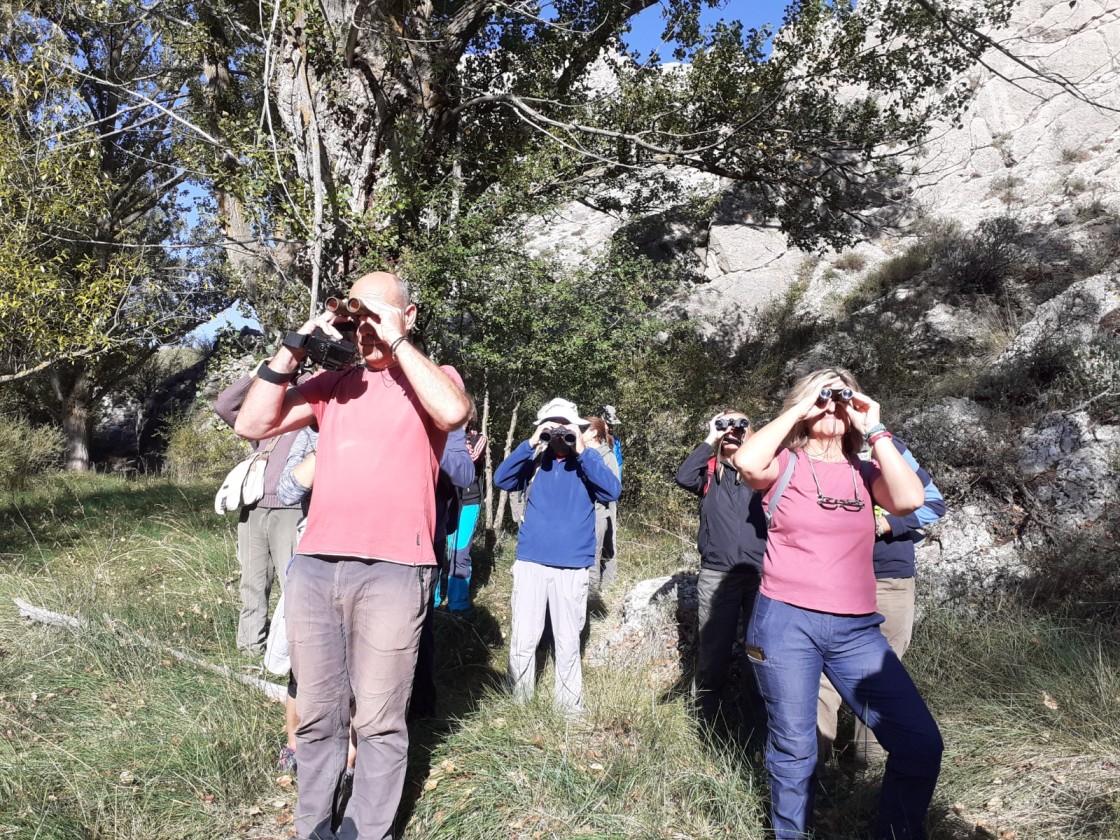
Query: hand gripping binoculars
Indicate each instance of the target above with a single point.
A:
(724, 423)
(843, 396)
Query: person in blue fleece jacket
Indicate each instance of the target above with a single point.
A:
(561, 479)
(895, 570)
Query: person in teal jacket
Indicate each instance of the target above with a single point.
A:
(560, 479)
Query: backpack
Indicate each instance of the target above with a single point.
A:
(712, 464)
(781, 485)
(244, 484)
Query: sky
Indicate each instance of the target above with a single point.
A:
(644, 36)
(646, 28)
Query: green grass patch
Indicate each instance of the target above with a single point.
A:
(103, 736)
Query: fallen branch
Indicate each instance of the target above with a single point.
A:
(42, 616)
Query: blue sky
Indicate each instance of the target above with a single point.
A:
(646, 28)
(645, 35)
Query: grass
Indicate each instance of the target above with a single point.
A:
(104, 737)
(1032, 741)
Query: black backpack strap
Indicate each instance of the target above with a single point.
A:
(780, 487)
(529, 486)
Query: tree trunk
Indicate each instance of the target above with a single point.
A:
(488, 469)
(503, 496)
(75, 397)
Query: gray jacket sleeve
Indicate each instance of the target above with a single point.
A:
(288, 490)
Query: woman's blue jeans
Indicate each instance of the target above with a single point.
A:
(789, 647)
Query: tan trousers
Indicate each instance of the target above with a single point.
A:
(894, 598)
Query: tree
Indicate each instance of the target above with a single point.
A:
(100, 267)
(385, 120)
(347, 135)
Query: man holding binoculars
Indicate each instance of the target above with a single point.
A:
(731, 542)
(560, 480)
(360, 587)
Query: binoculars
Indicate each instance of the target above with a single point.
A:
(841, 395)
(560, 432)
(724, 423)
(349, 306)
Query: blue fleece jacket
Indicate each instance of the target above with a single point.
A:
(559, 526)
(894, 553)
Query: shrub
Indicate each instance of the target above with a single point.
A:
(199, 446)
(850, 261)
(981, 261)
(668, 392)
(890, 274)
(1077, 572)
(1075, 155)
(1061, 374)
(26, 450)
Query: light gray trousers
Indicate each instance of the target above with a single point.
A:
(562, 595)
(266, 541)
(353, 629)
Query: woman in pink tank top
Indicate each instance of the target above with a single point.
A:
(816, 608)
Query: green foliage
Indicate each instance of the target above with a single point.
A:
(670, 389)
(666, 394)
(93, 243)
(894, 272)
(1077, 574)
(487, 106)
(201, 446)
(980, 262)
(850, 261)
(1060, 374)
(26, 451)
(522, 329)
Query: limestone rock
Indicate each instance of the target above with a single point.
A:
(1075, 457)
(1072, 317)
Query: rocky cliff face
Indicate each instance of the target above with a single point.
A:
(1021, 293)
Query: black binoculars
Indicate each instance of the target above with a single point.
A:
(732, 423)
(564, 434)
(841, 395)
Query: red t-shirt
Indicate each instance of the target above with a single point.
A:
(376, 467)
(816, 558)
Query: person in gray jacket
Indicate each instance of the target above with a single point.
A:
(266, 530)
(605, 568)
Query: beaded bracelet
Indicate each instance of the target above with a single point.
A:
(874, 430)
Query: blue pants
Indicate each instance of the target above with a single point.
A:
(458, 585)
(789, 647)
